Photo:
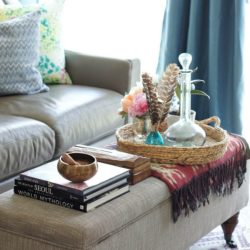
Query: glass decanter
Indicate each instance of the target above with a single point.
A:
(185, 133)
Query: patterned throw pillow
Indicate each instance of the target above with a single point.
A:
(16, 2)
(52, 58)
(19, 55)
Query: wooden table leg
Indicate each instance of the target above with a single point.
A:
(228, 227)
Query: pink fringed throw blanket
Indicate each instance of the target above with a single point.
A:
(190, 186)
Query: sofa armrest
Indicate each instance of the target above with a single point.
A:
(110, 73)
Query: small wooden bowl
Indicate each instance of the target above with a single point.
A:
(83, 167)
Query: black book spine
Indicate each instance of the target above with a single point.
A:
(50, 191)
(49, 199)
(48, 184)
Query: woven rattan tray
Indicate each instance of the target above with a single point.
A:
(214, 147)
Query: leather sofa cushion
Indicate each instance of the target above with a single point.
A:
(24, 143)
(77, 114)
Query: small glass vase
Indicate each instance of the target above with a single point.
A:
(184, 132)
(141, 128)
(154, 138)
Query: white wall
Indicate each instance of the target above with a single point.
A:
(115, 28)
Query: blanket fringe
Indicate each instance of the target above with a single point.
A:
(220, 181)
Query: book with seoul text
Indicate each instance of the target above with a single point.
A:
(62, 194)
(47, 176)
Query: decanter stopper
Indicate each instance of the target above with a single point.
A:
(185, 60)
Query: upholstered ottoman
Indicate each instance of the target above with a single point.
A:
(139, 220)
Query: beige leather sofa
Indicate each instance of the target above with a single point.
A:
(37, 128)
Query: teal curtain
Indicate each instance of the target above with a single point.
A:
(213, 32)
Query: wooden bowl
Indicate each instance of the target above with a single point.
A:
(77, 167)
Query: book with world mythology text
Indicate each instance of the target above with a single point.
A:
(80, 206)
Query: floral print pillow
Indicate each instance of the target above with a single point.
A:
(52, 58)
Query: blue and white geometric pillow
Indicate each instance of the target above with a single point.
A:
(19, 55)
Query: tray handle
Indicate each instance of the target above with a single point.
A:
(212, 119)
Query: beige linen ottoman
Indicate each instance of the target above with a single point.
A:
(138, 220)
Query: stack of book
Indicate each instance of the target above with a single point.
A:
(139, 166)
(44, 183)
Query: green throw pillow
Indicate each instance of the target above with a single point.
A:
(52, 57)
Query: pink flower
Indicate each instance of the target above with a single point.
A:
(139, 105)
(134, 103)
